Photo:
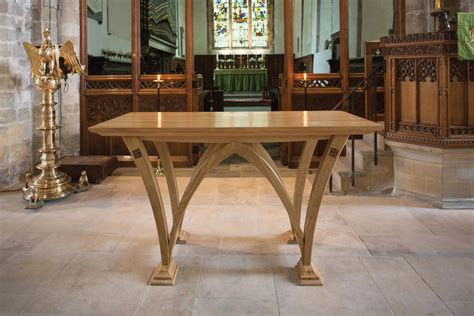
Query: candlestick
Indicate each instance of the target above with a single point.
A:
(305, 84)
(158, 99)
(159, 169)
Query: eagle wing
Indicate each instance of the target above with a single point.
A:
(70, 58)
(33, 56)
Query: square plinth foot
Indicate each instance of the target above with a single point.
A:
(164, 275)
(290, 238)
(307, 275)
(183, 238)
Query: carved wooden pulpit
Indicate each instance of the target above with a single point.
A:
(430, 92)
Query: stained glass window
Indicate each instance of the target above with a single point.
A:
(221, 23)
(259, 23)
(240, 23)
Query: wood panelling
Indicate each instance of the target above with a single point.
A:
(274, 64)
(431, 100)
(408, 101)
(205, 65)
(429, 108)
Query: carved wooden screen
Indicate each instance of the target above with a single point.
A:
(106, 95)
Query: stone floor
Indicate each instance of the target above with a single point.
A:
(92, 254)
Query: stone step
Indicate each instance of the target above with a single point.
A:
(364, 156)
(369, 178)
(369, 139)
(367, 182)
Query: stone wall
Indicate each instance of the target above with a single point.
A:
(15, 93)
(20, 113)
(418, 13)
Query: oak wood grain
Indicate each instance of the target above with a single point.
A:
(217, 127)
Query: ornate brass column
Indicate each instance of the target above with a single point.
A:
(49, 66)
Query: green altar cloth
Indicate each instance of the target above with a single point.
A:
(465, 36)
(235, 80)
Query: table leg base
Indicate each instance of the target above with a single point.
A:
(290, 238)
(164, 275)
(307, 275)
(183, 238)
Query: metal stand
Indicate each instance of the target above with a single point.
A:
(159, 169)
(306, 84)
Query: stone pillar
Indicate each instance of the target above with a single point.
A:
(418, 18)
(15, 93)
(20, 113)
(441, 177)
(418, 13)
(69, 30)
(466, 6)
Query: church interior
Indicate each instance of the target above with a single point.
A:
(237, 157)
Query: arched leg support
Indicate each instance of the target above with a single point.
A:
(167, 163)
(217, 153)
(257, 155)
(303, 167)
(307, 274)
(165, 273)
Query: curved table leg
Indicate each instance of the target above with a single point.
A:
(165, 273)
(164, 153)
(303, 167)
(307, 274)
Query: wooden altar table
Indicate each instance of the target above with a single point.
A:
(237, 80)
(239, 133)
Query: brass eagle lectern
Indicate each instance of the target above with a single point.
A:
(50, 65)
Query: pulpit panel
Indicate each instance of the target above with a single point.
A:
(408, 101)
(431, 91)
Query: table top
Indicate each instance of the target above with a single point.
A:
(216, 127)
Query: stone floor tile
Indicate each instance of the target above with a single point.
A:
(223, 220)
(15, 220)
(334, 242)
(246, 246)
(141, 239)
(94, 252)
(462, 308)
(22, 241)
(78, 242)
(442, 222)
(65, 220)
(273, 219)
(177, 299)
(347, 289)
(234, 307)
(27, 273)
(237, 277)
(14, 304)
(461, 245)
(452, 278)
(380, 219)
(385, 245)
(97, 283)
(462, 218)
(199, 245)
(402, 287)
